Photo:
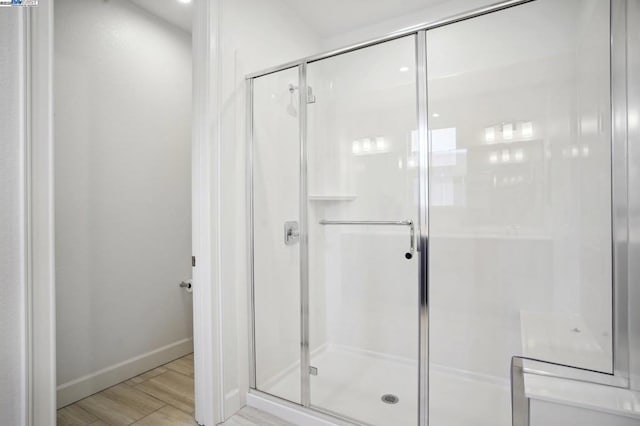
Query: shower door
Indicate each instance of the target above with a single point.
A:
(362, 203)
(335, 205)
(519, 201)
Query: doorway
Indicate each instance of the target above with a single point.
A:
(123, 72)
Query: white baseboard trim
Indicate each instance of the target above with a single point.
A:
(89, 384)
(232, 403)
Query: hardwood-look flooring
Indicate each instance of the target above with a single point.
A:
(163, 396)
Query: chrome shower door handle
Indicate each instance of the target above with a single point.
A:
(412, 238)
(291, 232)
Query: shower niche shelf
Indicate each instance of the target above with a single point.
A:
(332, 197)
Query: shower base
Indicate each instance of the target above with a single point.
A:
(351, 384)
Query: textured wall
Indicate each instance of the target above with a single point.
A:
(12, 282)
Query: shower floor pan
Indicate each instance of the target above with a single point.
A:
(352, 383)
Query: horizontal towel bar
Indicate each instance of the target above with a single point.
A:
(366, 222)
(407, 222)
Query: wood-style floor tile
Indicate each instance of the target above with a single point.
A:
(120, 405)
(74, 415)
(172, 388)
(163, 396)
(182, 365)
(167, 416)
(146, 376)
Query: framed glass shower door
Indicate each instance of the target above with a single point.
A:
(362, 163)
(335, 205)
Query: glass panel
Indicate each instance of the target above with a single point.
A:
(520, 201)
(276, 177)
(362, 158)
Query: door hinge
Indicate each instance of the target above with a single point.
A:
(311, 98)
(193, 261)
(313, 370)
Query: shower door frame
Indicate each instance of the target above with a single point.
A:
(620, 377)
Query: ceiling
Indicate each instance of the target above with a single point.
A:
(331, 17)
(327, 18)
(172, 11)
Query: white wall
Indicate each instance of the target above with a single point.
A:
(12, 238)
(123, 192)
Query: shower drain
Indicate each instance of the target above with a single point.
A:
(389, 398)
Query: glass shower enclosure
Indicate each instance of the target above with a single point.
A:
(338, 271)
(427, 206)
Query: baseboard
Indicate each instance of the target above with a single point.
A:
(84, 386)
(232, 403)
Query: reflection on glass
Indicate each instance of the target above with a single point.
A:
(519, 185)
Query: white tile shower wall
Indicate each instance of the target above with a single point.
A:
(123, 184)
(366, 289)
(12, 236)
(531, 238)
